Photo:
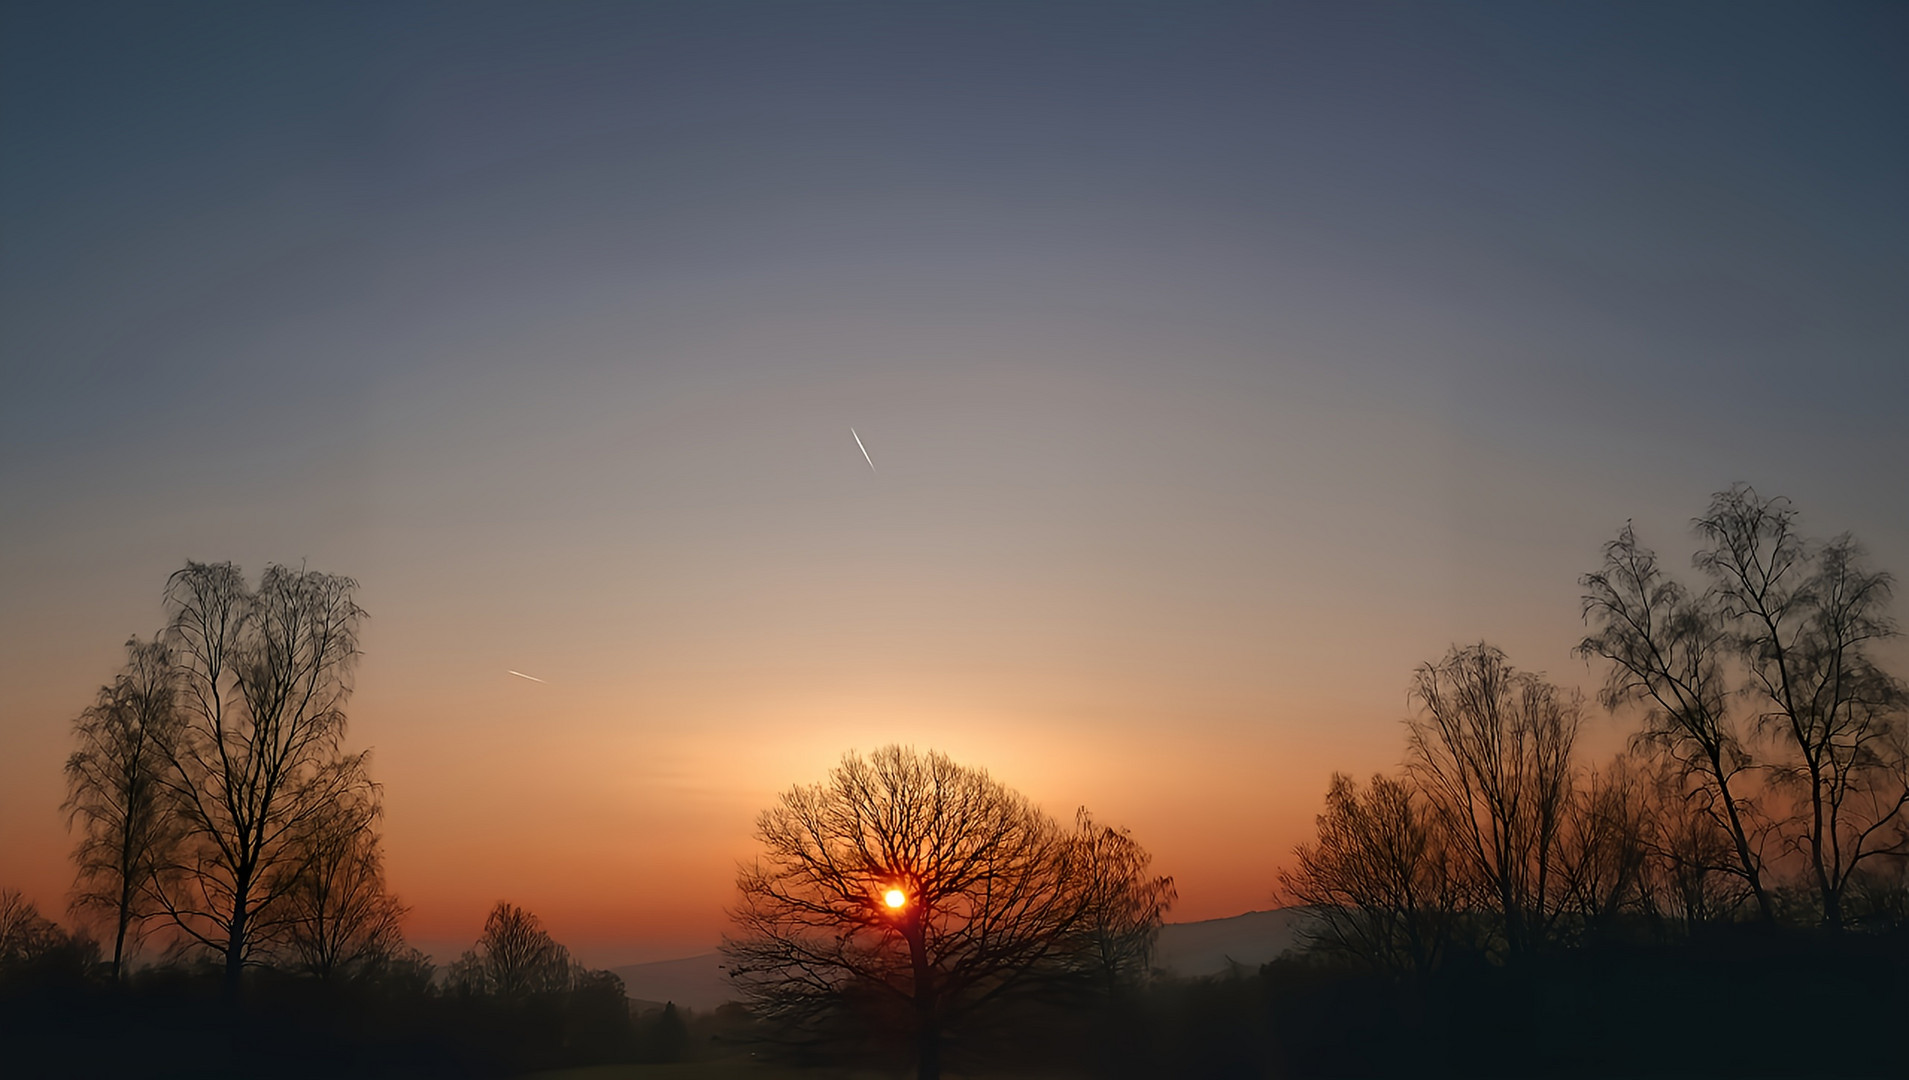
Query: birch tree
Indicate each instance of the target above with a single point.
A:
(263, 676)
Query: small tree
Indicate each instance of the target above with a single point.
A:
(515, 958)
(914, 892)
(1376, 881)
(34, 951)
(1492, 753)
(1124, 904)
(116, 794)
(1604, 851)
(339, 918)
(665, 1037)
(24, 932)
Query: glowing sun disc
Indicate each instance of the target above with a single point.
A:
(895, 898)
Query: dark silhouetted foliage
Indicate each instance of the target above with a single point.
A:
(263, 675)
(117, 795)
(908, 899)
(1377, 880)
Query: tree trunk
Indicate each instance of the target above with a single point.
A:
(235, 947)
(927, 1012)
(1764, 910)
(125, 871)
(119, 945)
(1514, 917)
(1832, 906)
(928, 1050)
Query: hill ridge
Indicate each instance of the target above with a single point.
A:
(1188, 949)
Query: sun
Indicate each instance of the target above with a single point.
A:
(895, 898)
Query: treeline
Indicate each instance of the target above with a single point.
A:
(1499, 906)
(212, 792)
(1766, 781)
(1728, 1001)
(1728, 896)
(223, 826)
(515, 1001)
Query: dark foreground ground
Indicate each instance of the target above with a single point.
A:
(1735, 1003)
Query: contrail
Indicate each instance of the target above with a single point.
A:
(864, 449)
(521, 675)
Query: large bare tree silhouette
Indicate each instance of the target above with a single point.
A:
(263, 675)
(919, 891)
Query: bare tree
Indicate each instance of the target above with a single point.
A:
(34, 949)
(1695, 876)
(1803, 617)
(116, 794)
(921, 890)
(514, 958)
(263, 677)
(24, 932)
(339, 918)
(1605, 848)
(1376, 880)
(1767, 673)
(1668, 650)
(1124, 903)
(1491, 751)
(1879, 893)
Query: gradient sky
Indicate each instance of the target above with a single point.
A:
(1220, 363)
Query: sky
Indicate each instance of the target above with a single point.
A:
(1218, 365)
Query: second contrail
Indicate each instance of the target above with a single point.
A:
(863, 449)
(521, 675)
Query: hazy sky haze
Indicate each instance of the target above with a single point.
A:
(1219, 364)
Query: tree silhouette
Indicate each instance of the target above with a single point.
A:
(339, 918)
(263, 675)
(667, 1036)
(1492, 753)
(34, 951)
(1605, 849)
(514, 958)
(1123, 904)
(1667, 650)
(1765, 675)
(116, 793)
(1377, 880)
(24, 932)
(921, 891)
(1803, 617)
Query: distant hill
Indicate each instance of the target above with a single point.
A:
(1185, 949)
(1209, 947)
(695, 982)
